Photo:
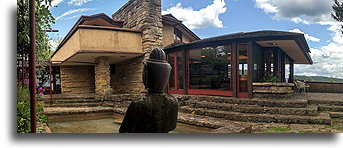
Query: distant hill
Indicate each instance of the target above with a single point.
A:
(318, 78)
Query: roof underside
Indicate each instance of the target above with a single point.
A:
(293, 44)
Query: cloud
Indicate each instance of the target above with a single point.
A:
(55, 2)
(196, 19)
(78, 2)
(73, 11)
(305, 11)
(307, 37)
(328, 59)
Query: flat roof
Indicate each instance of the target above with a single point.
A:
(290, 42)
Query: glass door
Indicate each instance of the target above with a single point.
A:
(243, 70)
(176, 83)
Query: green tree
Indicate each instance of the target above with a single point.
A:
(43, 20)
(338, 12)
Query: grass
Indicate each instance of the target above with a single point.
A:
(336, 124)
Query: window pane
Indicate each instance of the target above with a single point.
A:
(171, 78)
(243, 67)
(210, 68)
(180, 70)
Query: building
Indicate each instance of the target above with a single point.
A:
(101, 54)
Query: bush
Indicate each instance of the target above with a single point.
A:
(23, 110)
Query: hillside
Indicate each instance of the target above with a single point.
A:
(318, 78)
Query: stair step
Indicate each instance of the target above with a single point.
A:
(245, 101)
(255, 109)
(215, 123)
(268, 118)
(330, 108)
(327, 102)
(72, 110)
(336, 114)
(74, 101)
(74, 105)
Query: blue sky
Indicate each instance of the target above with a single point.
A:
(208, 18)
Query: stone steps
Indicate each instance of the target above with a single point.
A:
(72, 111)
(255, 109)
(326, 102)
(93, 104)
(268, 118)
(61, 101)
(330, 108)
(215, 123)
(245, 101)
(336, 114)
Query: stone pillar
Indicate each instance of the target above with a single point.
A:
(102, 76)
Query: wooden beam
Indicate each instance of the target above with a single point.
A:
(250, 69)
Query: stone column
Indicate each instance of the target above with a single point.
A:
(102, 76)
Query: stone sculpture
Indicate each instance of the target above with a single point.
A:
(156, 112)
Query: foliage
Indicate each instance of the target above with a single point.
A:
(338, 12)
(270, 78)
(23, 110)
(43, 20)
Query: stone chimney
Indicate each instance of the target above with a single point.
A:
(145, 16)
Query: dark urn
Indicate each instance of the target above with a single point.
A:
(156, 111)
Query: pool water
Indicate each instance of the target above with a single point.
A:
(108, 125)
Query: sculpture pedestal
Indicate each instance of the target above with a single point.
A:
(153, 113)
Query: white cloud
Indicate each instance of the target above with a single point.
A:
(205, 17)
(55, 2)
(78, 2)
(73, 11)
(307, 37)
(328, 59)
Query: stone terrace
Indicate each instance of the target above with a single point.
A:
(309, 112)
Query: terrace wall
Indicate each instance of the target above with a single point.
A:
(325, 87)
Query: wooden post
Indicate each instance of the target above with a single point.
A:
(250, 69)
(291, 71)
(234, 71)
(32, 66)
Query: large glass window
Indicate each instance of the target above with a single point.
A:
(210, 68)
(171, 78)
(243, 67)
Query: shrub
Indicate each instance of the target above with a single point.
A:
(23, 110)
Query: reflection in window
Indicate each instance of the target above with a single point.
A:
(171, 78)
(210, 68)
(180, 70)
(243, 67)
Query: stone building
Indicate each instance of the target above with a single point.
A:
(102, 54)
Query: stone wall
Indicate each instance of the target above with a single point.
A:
(145, 16)
(77, 79)
(325, 87)
(127, 77)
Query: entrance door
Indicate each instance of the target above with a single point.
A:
(242, 70)
(177, 77)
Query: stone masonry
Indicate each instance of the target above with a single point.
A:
(102, 76)
(145, 16)
(77, 79)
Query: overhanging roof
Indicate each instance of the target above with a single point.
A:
(174, 21)
(294, 44)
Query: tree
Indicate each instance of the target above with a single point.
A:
(338, 12)
(43, 20)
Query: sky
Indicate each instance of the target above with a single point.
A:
(209, 18)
